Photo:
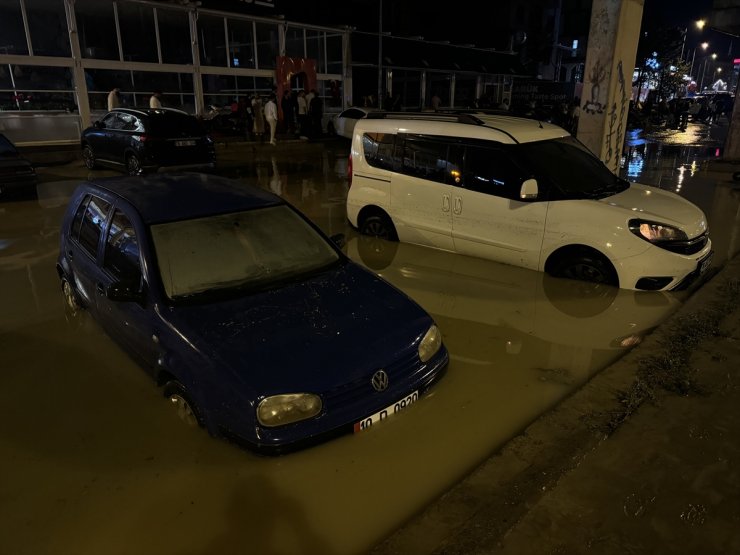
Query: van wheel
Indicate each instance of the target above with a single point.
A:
(379, 226)
(586, 267)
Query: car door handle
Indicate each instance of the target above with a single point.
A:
(458, 205)
(70, 254)
(445, 203)
(100, 289)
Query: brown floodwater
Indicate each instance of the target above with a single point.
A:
(93, 461)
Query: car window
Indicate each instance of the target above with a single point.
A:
(428, 159)
(92, 223)
(352, 113)
(127, 122)
(122, 248)
(379, 149)
(110, 120)
(245, 250)
(491, 171)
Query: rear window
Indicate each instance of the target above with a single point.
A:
(174, 124)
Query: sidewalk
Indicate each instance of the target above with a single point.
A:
(643, 459)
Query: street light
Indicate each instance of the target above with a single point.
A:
(704, 71)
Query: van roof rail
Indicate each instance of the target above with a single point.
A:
(429, 116)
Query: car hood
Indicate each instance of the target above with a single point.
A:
(308, 336)
(651, 203)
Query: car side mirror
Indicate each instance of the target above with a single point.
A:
(99, 125)
(128, 291)
(339, 240)
(530, 190)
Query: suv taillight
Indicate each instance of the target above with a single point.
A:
(349, 170)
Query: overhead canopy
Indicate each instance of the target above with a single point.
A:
(416, 53)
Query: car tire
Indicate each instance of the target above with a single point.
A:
(88, 157)
(186, 410)
(133, 165)
(71, 301)
(586, 267)
(379, 225)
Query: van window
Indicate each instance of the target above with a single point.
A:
(432, 159)
(491, 171)
(379, 150)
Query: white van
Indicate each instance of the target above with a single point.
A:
(522, 192)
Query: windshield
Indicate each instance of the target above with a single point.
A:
(246, 250)
(571, 167)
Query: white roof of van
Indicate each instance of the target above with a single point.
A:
(501, 128)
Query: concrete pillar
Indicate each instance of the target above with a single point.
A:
(607, 82)
(78, 73)
(732, 142)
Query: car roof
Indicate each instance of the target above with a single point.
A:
(171, 197)
(465, 123)
(151, 112)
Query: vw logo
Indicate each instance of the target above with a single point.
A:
(380, 380)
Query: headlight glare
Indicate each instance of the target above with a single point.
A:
(655, 232)
(430, 344)
(279, 410)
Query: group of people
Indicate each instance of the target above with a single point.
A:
(677, 112)
(114, 99)
(301, 115)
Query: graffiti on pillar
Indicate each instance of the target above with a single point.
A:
(615, 137)
(594, 105)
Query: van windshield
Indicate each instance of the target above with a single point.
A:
(567, 164)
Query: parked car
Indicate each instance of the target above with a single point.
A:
(343, 123)
(138, 141)
(17, 175)
(522, 192)
(255, 324)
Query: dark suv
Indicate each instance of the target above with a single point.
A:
(146, 140)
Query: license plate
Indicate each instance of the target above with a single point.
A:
(388, 411)
(184, 143)
(704, 264)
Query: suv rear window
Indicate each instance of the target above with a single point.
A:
(171, 124)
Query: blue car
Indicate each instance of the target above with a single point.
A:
(255, 324)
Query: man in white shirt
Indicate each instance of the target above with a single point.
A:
(154, 100)
(113, 99)
(271, 115)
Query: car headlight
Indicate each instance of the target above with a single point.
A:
(430, 344)
(278, 410)
(656, 232)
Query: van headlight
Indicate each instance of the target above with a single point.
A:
(430, 344)
(655, 232)
(278, 410)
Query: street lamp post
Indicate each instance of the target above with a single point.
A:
(380, 55)
(704, 46)
(704, 71)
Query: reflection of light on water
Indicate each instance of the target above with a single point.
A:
(636, 163)
(679, 180)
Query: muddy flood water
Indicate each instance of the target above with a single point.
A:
(94, 461)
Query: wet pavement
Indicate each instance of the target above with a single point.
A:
(94, 462)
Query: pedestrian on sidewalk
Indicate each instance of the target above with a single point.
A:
(271, 117)
(258, 115)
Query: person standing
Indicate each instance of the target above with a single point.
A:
(114, 100)
(302, 113)
(288, 108)
(258, 114)
(155, 101)
(271, 116)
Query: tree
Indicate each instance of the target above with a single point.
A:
(659, 61)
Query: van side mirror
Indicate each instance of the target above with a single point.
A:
(530, 190)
